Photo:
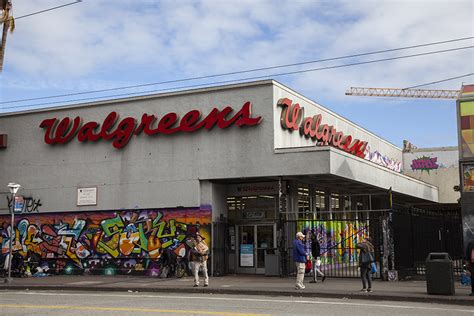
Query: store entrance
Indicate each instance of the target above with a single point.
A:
(255, 243)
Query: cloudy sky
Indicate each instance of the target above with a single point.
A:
(105, 44)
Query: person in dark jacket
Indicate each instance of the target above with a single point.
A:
(299, 257)
(316, 260)
(366, 257)
(470, 262)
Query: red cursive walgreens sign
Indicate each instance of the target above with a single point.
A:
(312, 127)
(63, 131)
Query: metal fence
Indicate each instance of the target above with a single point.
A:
(417, 232)
(402, 237)
(338, 240)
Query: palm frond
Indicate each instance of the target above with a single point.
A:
(12, 24)
(4, 16)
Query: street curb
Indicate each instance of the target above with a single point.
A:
(359, 296)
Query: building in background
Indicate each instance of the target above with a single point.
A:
(438, 166)
(465, 110)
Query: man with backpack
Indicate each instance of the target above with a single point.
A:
(316, 254)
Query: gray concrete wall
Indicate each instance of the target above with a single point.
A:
(166, 170)
(158, 171)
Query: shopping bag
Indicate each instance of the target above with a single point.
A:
(317, 263)
(308, 266)
(373, 268)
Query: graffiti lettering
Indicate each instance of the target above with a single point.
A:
(30, 205)
(95, 241)
(383, 160)
(424, 164)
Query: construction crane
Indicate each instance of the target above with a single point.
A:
(404, 93)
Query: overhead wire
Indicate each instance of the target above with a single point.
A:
(439, 81)
(144, 93)
(46, 10)
(237, 72)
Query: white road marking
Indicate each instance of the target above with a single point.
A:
(86, 282)
(351, 303)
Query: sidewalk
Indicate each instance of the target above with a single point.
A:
(414, 291)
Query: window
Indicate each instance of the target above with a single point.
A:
(304, 204)
(254, 207)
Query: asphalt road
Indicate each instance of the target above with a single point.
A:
(55, 303)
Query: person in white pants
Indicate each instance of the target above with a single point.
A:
(300, 258)
(199, 256)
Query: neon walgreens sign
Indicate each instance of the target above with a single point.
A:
(63, 131)
(292, 119)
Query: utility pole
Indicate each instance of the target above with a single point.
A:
(6, 19)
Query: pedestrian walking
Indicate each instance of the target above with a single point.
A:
(300, 258)
(199, 256)
(316, 259)
(470, 263)
(366, 257)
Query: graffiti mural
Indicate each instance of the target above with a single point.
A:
(125, 242)
(382, 160)
(338, 239)
(424, 163)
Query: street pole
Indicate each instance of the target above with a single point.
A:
(14, 187)
(10, 244)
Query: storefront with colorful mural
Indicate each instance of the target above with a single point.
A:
(117, 186)
(121, 242)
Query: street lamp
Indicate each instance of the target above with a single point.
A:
(14, 187)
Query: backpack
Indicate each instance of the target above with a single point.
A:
(366, 257)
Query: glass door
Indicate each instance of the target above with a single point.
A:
(255, 241)
(265, 244)
(246, 247)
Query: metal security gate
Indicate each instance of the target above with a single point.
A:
(417, 232)
(338, 240)
(402, 237)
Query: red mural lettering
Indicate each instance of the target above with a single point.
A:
(311, 127)
(109, 122)
(63, 131)
(189, 120)
(50, 125)
(291, 114)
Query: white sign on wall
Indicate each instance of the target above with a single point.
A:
(86, 196)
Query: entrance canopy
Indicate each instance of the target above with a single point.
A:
(340, 171)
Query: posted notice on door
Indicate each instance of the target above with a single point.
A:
(246, 255)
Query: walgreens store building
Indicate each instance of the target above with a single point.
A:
(111, 186)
